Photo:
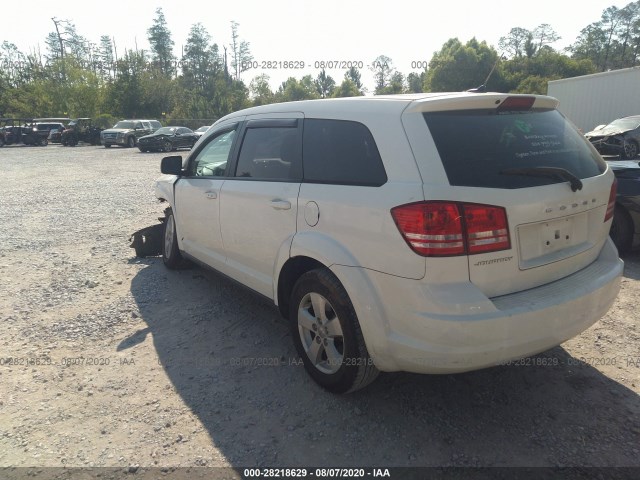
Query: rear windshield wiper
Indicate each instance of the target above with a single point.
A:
(552, 172)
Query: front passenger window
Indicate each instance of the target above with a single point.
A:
(211, 161)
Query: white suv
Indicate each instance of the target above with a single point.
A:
(429, 233)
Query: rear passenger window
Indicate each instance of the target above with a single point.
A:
(270, 153)
(341, 152)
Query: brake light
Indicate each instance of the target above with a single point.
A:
(439, 229)
(611, 206)
(516, 104)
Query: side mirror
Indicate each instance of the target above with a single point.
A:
(171, 165)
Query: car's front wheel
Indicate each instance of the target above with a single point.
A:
(327, 335)
(630, 150)
(170, 253)
(167, 146)
(131, 142)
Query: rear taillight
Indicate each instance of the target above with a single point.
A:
(439, 229)
(611, 206)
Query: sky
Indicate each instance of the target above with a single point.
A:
(309, 32)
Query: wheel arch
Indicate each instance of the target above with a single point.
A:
(289, 274)
(308, 250)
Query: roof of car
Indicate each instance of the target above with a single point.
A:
(381, 103)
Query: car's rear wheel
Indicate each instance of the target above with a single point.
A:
(44, 142)
(107, 145)
(621, 229)
(170, 253)
(630, 150)
(167, 146)
(327, 335)
(131, 142)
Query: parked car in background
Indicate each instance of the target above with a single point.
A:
(202, 130)
(22, 133)
(167, 139)
(620, 137)
(389, 243)
(625, 229)
(80, 130)
(45, 129)
(55, 135)
(127, 132)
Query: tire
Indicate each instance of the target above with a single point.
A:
(621, 229)
(131, 142)
(167, 146)
(330, 343)
(630, 150)
(1, 142)
(143, 150)
(170, 253)
(44, 142)
(107, 145)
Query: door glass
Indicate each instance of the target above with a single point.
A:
(270, 153)
(211, 161)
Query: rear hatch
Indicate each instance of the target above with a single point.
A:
(532, 195)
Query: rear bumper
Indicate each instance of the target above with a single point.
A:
(421, 328)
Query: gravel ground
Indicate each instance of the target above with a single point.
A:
(111, 360)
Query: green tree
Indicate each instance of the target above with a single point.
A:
(325, 84)
(261, 91)
(347, 88)
(415, 82)
(106, 58)
(382, 68)
(241, 57)
(293, 89)
(354, 75)
(159, 37)
(458, 67)
(513, 44)
(201, 61)
(395, 85)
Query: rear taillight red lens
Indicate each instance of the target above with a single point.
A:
(611, 206)
(487, 228)
(438, 229)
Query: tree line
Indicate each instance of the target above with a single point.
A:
(75, 77)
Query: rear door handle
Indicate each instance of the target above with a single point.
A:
(211, 195)
(280, 204)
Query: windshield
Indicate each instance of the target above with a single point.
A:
(477, 146)
(123, 125)
(625, 123)
(166, 130)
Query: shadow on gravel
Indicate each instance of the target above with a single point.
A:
(231, 359)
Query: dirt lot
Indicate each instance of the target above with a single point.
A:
(110, 360)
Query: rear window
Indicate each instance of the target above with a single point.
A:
(341, 152)
(477, 146)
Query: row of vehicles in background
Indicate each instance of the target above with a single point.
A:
(27, 131)
(148, 135)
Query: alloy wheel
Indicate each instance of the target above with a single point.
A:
(321, 333)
